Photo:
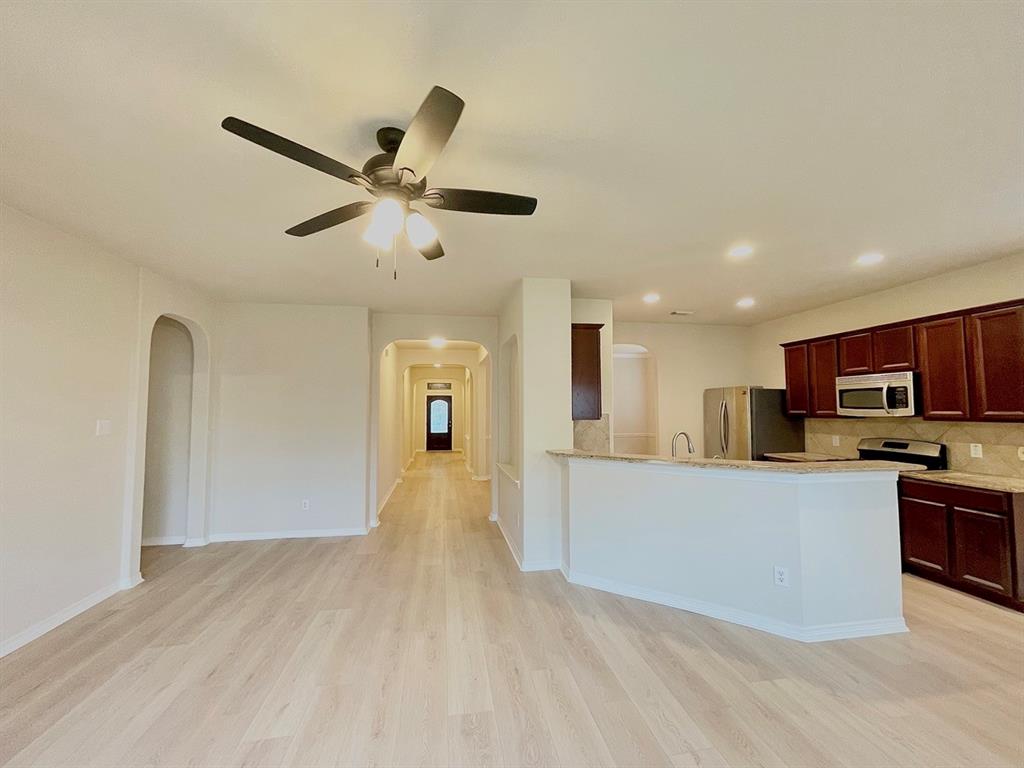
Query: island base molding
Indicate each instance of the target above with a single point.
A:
(811, 634)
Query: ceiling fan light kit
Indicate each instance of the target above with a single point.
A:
(396, 177)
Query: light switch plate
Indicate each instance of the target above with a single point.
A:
(103, 427)
(1020, 453)
(835, 441)
(975, 450)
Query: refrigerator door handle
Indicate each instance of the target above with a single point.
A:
(725, 422)
(721, 427)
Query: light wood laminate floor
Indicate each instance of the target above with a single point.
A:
(422, 644)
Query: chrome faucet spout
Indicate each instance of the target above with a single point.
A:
(689, 443)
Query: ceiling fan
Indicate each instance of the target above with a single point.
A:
(397, 177)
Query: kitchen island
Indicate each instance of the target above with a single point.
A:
(808, 551)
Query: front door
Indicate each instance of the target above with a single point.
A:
(439, 423)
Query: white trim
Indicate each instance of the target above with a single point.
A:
(40, 628)
(375, 522)
(493, 517)
(132, 581)
(313, 533)
(526, 566)
(508, 542)
(197, 542)
(163, 541)
(811, 634)
(540, 565)
(387, 496)
(506, 469)
(481, 477)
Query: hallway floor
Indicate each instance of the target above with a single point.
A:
(423, 644)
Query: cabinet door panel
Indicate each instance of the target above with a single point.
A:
(982, 541)
(586, 371)
(823, 366)
(996, 343)
(924, 534)
(797, 397)
(943, 358)
(855, 354)
(893, 349)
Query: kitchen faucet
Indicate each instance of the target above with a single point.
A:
(689, 443)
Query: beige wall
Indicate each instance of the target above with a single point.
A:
(168, 434)
(292, 394)
(689, 359)
(452, 375)
(993, 281)
(636, 404)
(68, 325)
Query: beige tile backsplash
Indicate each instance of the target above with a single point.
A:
(592, 435)
(999, 441)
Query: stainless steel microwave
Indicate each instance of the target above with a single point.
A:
(876, 394)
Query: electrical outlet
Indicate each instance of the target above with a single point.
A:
(975, 450)
(305, 505)
(781, 576)
(835, 441)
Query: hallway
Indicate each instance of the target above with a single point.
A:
(422, 644)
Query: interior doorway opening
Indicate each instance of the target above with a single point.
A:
(434, 397)
(636, 400)
(165, 501)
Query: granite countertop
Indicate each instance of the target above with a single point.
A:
(792, 467)
(999, 483)
(804, 456)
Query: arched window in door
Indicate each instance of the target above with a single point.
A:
(438, 416)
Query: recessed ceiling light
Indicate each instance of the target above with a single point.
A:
(437, 342)
(741, 251)
(652, 298)
(746, 302)
(870, 259)
(437, 365)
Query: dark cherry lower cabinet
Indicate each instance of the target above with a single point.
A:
(966, 538)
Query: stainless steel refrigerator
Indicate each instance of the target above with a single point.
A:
(747, 422)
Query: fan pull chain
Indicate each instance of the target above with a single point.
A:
(378, 257)
(394, 251)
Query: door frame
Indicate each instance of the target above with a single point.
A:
(427, 432)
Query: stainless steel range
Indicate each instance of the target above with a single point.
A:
(931, 455)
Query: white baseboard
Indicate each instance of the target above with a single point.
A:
(540, 565)
(375, 522)
(196, 542)
(387, 496)
(163, 541)
(809, 634)
(493, 517)
(40, 628)
(481, 477)
(525, 565)
(313, 533)
(132, 581)
(508, 542)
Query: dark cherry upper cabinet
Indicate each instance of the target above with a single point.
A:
(995, 342)
(797, 396)
(855, 354)
(893, 349)
(822, 367)
(942, 354)
(586, 371)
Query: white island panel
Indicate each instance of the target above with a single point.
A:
(709, 539)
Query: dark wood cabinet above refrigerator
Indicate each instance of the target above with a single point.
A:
(970, 363)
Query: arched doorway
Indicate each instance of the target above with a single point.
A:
(636, 400)
(168, 434)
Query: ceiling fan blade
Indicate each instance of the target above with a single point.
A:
(429, 131)
(477, 201)
(331, 218)
(296, 152)
(432, 251)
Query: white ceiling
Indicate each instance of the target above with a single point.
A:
(654, 135)
(425, 344)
